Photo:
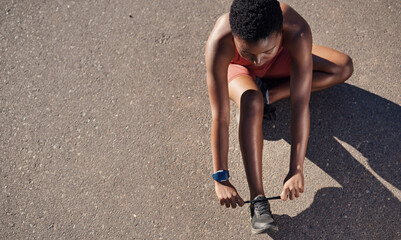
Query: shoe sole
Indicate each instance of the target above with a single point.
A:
(270, 229)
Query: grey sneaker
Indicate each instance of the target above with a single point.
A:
(261, 216)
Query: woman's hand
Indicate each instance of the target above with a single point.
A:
(293, 185)
(227, 194)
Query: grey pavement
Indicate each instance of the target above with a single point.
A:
(105, 124)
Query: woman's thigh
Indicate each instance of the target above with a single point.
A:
(239, 85)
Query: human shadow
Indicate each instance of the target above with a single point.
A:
(363, 208)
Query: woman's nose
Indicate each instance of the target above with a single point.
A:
(257, 60)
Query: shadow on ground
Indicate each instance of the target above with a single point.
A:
(363, 208)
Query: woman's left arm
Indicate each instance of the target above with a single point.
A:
(299, 45)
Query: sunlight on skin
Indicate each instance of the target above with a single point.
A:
(315, 179)
(364, 161)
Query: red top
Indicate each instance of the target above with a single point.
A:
(257, 70)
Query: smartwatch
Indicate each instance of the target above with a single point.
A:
(221, 175)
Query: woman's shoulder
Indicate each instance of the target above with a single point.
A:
(221, 27)
(221, 35)
(221, 31)
(292, 20)
(294, 25)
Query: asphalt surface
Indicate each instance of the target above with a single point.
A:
(105, 124)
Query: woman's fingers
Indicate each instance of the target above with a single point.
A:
(293, 187)
(284, 194)
(290, 193)
(227, 202)
(227, 195)
(301, 188)
(240, 201)
(233, 202)
(294, 193)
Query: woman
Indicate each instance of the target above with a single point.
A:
(256, 43)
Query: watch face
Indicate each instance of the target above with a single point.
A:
(221, 176)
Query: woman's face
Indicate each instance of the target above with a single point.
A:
(258, 53)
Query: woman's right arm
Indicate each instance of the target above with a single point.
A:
(218, 56)
(216, 67)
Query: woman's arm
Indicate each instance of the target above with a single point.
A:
(217, 63)
(299, 44)
(218, 55)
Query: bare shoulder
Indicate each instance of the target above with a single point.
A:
(221, 29)
(220, 38)
(295, 28)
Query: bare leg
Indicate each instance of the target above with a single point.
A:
(330, 67)
(245, 93)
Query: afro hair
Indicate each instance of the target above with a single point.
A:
(252, 20)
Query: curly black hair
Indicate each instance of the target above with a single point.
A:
(253, 20)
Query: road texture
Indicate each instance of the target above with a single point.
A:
(105, 124)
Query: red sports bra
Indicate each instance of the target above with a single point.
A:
(242, 61)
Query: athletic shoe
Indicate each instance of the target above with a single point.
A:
(261, 216)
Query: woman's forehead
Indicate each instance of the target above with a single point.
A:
(258, 46)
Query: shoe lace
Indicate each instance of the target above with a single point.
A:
(262, 208)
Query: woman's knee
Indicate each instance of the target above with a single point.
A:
(252, 102)
(345, 70)
(333, 62)
(348, 69)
